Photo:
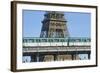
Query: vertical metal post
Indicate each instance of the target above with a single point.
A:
(72, 57)
(55, 57)
(32, 58)
(88, 55)
(37, 57)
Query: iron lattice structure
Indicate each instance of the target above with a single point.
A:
(54, 25)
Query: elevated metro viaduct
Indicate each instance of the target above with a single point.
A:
(56, 49)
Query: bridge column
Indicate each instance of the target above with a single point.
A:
(55, 57)
(32, 58)
(41, 57)
(75, 57)
(72, 56)
(88, 55)
(37, 57)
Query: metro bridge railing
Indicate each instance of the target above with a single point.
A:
(71, 39)
(56, 42)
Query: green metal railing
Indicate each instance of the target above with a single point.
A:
(71, 39)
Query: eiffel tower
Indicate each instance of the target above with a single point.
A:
(54, 25)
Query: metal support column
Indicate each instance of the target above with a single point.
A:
(37, 57)
(88, 55)
(55, 57)
(72, 57)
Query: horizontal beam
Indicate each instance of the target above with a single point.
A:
(68, 39)
(56, 53)
(56, 49)
(57, 44)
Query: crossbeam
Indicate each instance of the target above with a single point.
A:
(56, 48)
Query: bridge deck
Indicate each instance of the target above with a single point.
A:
(56, 48)
(56, 44)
